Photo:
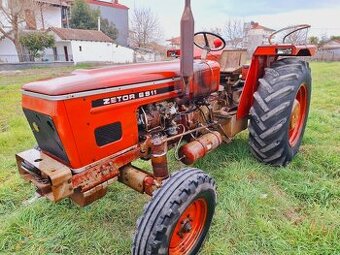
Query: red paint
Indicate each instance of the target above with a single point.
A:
(182, 242)
(173, 53)
(217, 43)
(112, 5)
(76, 119)
(245, 70)
(85, 80)
(295, 129)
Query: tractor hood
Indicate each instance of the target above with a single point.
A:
(108, 77)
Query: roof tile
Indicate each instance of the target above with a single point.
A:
(81, 35)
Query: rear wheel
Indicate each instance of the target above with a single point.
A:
(177, 219)
(279, 114)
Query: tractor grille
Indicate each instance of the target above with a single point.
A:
(46, 134)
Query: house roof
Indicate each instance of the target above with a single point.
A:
(331, 45)
(114, 4)
(175, 40)
(55, 2)
(256, 25)
(157, 47)
(81, 35)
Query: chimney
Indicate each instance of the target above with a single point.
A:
(99, 23)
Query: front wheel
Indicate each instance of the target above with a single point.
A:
(279, 114)
(177, 219)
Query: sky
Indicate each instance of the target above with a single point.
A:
(323, 15)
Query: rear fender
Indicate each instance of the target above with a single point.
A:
(263, 57)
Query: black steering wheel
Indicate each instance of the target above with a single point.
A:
(206, 45)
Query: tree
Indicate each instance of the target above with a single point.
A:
(83, 17)
(216, 30)
(12, 20)
(109, 29)
(36, 42)
(335, 37)
(313, 40)
(145, 28)
(234, 32)
(323, 39)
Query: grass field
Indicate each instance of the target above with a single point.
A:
(261, 210)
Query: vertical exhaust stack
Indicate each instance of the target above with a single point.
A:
(187, 46)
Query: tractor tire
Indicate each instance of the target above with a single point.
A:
(280, 110)
(178, 217)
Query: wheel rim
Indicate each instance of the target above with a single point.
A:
(189, 228)
(298, 115)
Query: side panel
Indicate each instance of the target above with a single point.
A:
(88, 114)
(56, 110)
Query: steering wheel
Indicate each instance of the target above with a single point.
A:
(219, 42)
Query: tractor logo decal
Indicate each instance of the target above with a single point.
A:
(35, 127)
(131, 96)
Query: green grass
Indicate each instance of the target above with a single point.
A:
(261, 209)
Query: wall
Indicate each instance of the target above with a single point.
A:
(59, 45)
(145, 57)
(119, 17)
(327, 55)
(255, 38)
(8, 53)
(92, 51)
(331, 44)
(52, 17)
(122, 55)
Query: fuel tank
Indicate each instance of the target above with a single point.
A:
(91, 114)
(191, 152)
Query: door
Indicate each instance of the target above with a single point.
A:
(66, 53)
(55, 54)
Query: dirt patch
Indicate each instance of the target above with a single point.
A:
(294, 215)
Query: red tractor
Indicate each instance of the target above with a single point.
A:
(91, 126)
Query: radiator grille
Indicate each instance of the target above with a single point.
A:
(46, 134)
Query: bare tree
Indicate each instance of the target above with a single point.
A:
(234, 32)
(216, 30)
(13, 15)
(145, 28)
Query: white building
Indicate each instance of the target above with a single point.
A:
(329, 51)
(116, 13)
(44, 14)
(79, 45)
(52, 13)
(255, 35)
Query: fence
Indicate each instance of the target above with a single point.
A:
(28, 58)
(327, 55)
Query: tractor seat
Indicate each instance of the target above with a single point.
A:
(232, 60)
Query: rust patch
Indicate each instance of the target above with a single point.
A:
(103, 171)
(52, 178)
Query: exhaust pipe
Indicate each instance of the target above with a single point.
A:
(187, 46)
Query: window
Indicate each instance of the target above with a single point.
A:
(80, 48)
